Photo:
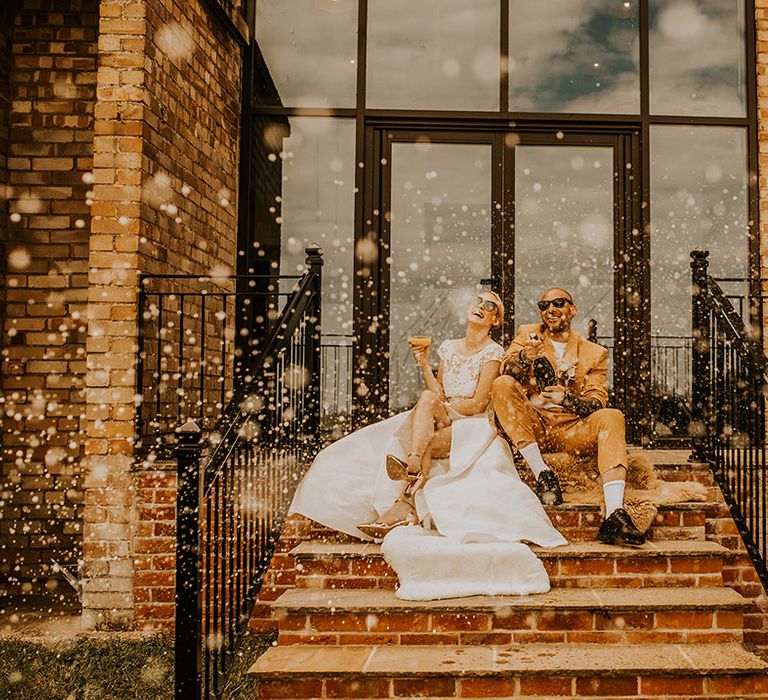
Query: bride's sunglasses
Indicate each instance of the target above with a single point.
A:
(486, 304)
(558, 303)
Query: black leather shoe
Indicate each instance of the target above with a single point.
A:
(543, 373)
(618, 528)
(548, 488)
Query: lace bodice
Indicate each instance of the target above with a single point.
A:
(461, 373)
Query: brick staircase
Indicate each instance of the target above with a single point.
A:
(667, 620)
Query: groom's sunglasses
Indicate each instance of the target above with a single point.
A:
(558, 303)
(486, 304)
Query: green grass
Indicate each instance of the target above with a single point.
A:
(90, 667)
(104, 666)
(239, 685)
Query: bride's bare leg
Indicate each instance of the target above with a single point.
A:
(438, 447)
(429, 415)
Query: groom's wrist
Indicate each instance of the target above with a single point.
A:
(580, 406)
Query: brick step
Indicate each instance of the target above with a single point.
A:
(579, 522)
(564, 615)
(670, 563)
(569, 670)
(671, 459)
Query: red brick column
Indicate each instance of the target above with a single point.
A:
(761, 19)
(109, 515)
(6, 39)
(166, 152)
(52, 87)
(155, 542)
(738, 572)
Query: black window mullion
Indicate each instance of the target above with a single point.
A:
(640, 248)
(504, 58)
(753, 183)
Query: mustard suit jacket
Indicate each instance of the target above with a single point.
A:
(586, 363)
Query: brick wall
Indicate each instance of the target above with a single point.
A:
(155, 560)
(6, 36)
(738, 573)
(192, 139)
(165, 168)
(52, 85)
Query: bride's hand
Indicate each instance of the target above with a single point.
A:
(420, 354)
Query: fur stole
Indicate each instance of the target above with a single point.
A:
(645, 491)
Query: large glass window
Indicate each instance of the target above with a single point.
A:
(317, 206)
(564, 231)
(570, 209)
(440, 249)
(310, 52)
(698, 201)
(574, 56)
(433, 54)
(698, 56)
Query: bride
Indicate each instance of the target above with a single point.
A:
(383, 476)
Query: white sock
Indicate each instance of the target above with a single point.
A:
(532, 455)
(613, 491)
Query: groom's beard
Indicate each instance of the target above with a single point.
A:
(559, 326)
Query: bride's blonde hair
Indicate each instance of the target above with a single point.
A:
(500, 307)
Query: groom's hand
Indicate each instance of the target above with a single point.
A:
(532, 349)
(554, 394)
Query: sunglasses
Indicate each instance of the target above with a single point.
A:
(558, 303)
(486, 304)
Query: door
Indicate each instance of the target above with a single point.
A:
(573, 197)
(452, 212)
(440, 244)
(427, 245)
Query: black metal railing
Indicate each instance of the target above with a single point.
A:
(670, 380)
(231, 503)
(728, 406)
(197, 338)
(196, 335)
(336, 385)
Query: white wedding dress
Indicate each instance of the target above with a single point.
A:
(474, 509)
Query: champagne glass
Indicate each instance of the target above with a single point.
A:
(420, 341)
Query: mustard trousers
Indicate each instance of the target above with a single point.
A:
(602, 431)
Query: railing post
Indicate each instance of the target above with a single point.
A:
(592, 330)
(701, 357)
(312, 349)
(141, 303)
(188, 646)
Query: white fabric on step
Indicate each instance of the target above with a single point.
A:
(431, 567)
(342, 487)
(476, 495)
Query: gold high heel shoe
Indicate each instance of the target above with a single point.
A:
(397, 469)
(378, 529)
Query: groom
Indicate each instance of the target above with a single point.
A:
(552, 395)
